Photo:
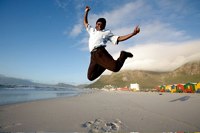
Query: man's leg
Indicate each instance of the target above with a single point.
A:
(94, 70)
(104, 59)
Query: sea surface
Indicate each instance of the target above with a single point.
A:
(26, 94)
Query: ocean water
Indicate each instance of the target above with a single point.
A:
(25, 94)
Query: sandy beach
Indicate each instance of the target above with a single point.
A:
(105, 112)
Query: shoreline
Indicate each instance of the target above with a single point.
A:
(25, 100)
(105, 111)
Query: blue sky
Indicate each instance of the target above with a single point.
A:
(45, 41)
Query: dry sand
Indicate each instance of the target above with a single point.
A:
(105, 112)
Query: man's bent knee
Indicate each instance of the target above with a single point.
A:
(91, 78)
(116, 69)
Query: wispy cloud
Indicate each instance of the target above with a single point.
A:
(76, 30)
(61, 4)
(158, 31)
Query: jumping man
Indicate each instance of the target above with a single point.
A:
(100, 58)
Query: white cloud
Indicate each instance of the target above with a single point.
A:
(162, 56)
(76, 30)
(157, 31)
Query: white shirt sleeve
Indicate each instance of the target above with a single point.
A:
(113, 38)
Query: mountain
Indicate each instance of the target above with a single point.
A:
(65, 85)
(14, 81)
(189, 72)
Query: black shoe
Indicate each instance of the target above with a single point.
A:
(126, 54)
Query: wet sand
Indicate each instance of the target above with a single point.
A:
(105, 112)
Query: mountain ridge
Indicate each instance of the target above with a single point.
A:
(13, 82)
(189, 72)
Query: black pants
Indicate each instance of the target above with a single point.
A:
(102, 60)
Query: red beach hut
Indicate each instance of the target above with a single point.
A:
(180, 88)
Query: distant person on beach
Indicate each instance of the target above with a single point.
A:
(100, 58)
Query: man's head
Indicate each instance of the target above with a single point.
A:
(100, 24)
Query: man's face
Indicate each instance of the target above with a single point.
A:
(99, 26)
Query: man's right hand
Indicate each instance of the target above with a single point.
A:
(87, 9)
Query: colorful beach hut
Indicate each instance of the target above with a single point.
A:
(168, 88)
(197, 87)
(189, 88)
(180, 88)
(162, 88)
(173, 89)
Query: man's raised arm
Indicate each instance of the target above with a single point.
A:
(85, 21)
(125, 37)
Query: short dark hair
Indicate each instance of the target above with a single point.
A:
(103, 20)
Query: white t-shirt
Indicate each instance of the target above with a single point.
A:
(98, 38)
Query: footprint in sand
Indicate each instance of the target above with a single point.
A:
(102, 126)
